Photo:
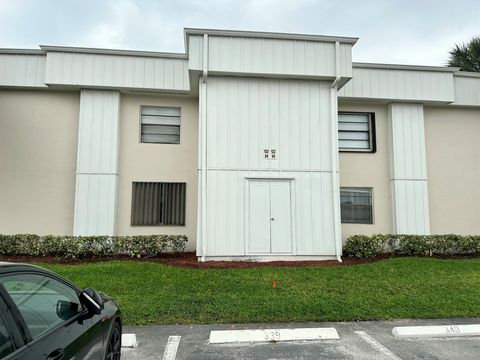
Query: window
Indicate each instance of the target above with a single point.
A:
(158, 203)
(356, 205)
(356, 132)
(160, 125)
(42, 301)
(6, 343)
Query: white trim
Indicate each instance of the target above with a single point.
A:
(405, 67)
(103, 51)
(467, 74)
(267, 258)
(269, 35)
(89, 298)
(22, 51)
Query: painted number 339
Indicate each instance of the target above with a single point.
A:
(272, 335)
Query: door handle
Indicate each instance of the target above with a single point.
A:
(271, 219)
(56, 354)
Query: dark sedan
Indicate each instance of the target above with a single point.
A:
(44, 316)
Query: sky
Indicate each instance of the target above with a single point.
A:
(390, 31)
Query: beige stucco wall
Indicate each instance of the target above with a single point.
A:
(369, 170)
(157, 162)
(38, 143)
(453, 169)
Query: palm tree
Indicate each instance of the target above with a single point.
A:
(466, 56)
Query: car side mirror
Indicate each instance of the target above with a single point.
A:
(66, 309)
(92, 301)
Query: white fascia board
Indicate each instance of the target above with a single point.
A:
(266, 35)
(101, 51)
(405, 67)
(467, 74)
(21, 51)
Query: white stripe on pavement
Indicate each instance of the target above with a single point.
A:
(171, 348)
(272, 335)
(376, 345)
(436, 331)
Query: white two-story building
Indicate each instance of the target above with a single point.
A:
(254, 145)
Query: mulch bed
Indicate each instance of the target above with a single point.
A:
(190, 260)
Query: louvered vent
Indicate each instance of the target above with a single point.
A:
(158, 203)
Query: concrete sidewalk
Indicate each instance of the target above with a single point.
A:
(358, 340)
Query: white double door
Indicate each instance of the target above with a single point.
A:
(270, 217)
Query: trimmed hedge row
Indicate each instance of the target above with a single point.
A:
(360, 246)
(82, 247)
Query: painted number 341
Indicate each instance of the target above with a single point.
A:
(272, 335)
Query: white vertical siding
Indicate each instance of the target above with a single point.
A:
(245, 116)
(232, 54)
(22, 70)
(409, 168)
(95, 194)
(117, 71)
(400, 84)
(467, 90)
(195, 52)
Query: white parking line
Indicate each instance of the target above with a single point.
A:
(376, 345)
(171, 348)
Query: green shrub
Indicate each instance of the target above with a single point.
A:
(360, 246)
(82, 247)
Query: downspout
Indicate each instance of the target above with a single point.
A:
(203, 127)
(334, 137)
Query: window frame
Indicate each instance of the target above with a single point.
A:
(20, 321)
(358, 189)
(371, 132)
(159, 224)
(140, 125)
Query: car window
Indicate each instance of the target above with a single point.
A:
(6, 343)
(42, 301)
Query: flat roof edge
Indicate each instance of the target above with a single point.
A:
(21, 51)
(102, 51)
(468, 74)
(405, 67)
(269, 35)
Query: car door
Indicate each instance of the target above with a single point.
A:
(57, 326)
(10, 337)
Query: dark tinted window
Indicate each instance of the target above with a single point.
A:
(6, 343)
(42, 301)
(158, 203)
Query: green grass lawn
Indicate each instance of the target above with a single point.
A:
(150, 293)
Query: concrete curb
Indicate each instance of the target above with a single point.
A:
(272, 335)
(129, 341)
(436, 331)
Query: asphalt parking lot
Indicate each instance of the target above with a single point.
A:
(358, 340)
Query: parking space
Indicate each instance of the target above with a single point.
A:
(358, 340)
